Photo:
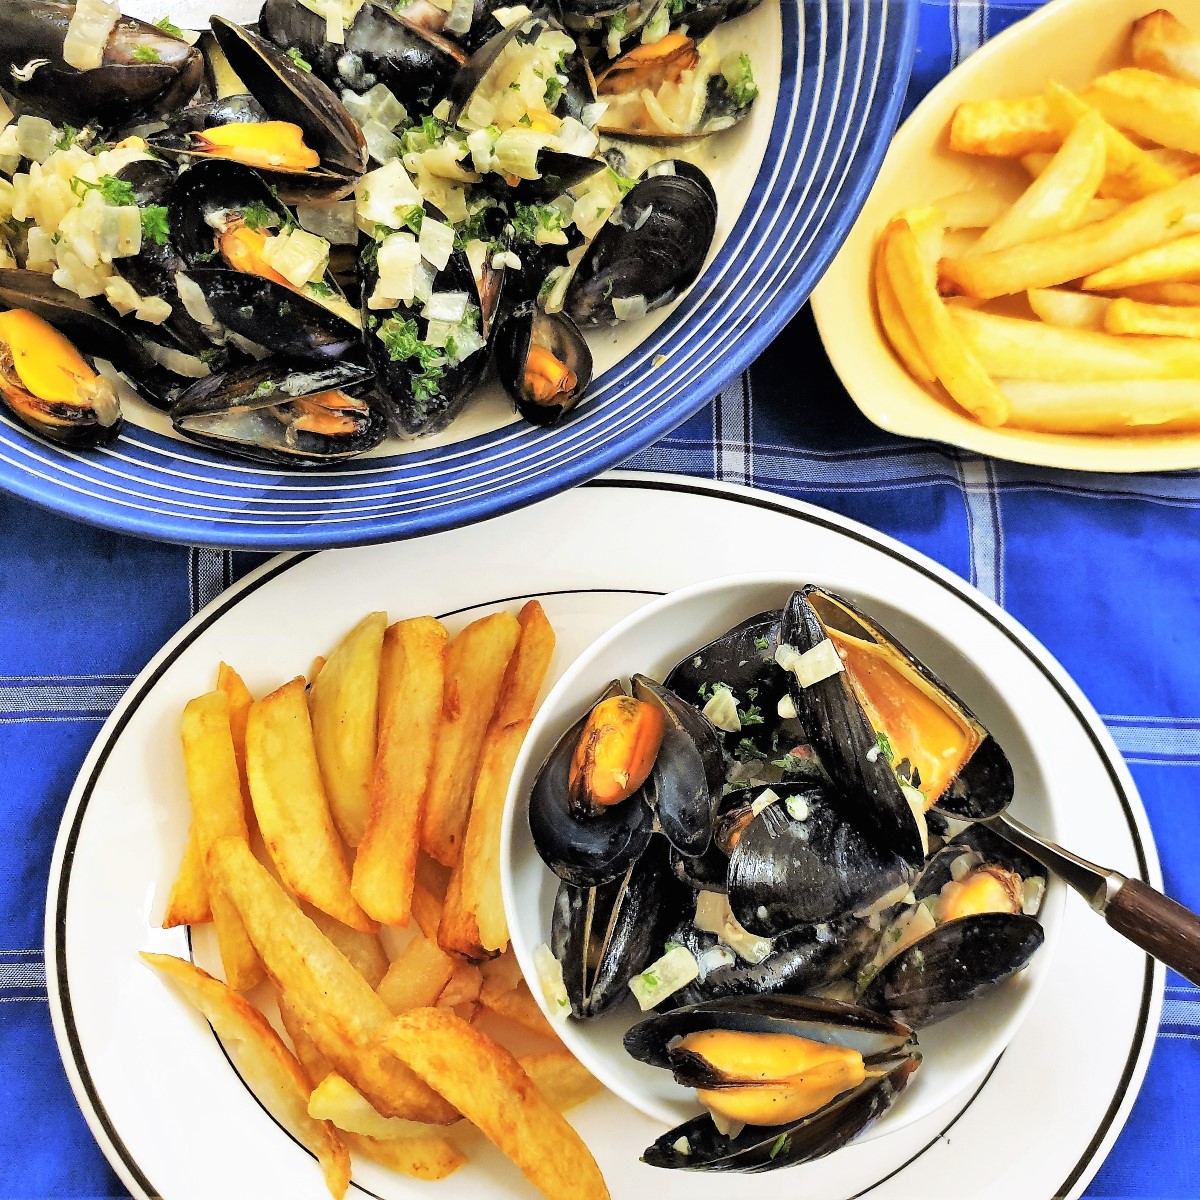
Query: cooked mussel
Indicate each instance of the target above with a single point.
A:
(790, 1079)
(615, 752)
(142, 67)
(590, 851)
(644, 259)
(605, 935)
(274, 413)
(544, 363)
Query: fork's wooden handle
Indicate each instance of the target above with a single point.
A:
(1163, 928)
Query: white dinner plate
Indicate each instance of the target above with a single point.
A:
(175, 1119)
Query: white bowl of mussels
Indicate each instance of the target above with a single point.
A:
(743, 875)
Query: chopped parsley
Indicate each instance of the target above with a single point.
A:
(789, 762)
(298, 59)
(146, 54)
(616, 23)
(264, 389)
(526, 120)
(115, 191)
(321, 289)
(885, 746)
(779, 1145)
(470, 230)
(740, 78)
(554, 89)
(411, 218)
(67, 138)
(650, 979)
(168, 26)
(258, 216)
(402, 342)
(528, 219)
(424, 136)
(750, 715)
(426, 385)
(624, 183)
(154, 224)
(761, 644)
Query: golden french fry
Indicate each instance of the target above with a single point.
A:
(1004, 128)
(1127, 406)
(338, 1101)
(980, 206)
(527, 668)
(1161, 42)
(561, 1078)
(475, 666)
(1164, 110)
(335, 1004)
(418, 976)
(957, 370)
(1035, 164)
(293, 813)
(1072, 310)
(463, 987)
(188, 903)
(364, 950)
(1155, 320)
(500, 974)
(1180, 163)
(1177, 260)
(315, 669)
(458, 930)
(1129, 172)
(895, 324)
(480, 862)
(411, 687)
(345, 700)
(266, 1062)
(517, 1005)
(1050, 261)
(427, 908)
(218, 811)
(240, 699)
(1164, 293)
(1017, 349)
(1055, 201)
(486, 1083)
(429, 1157)
(316, 1065)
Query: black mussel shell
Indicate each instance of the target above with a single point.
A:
(411, 58)
(848, 746)
(558, 172)
(471, 74)
(537, 261)
(427, 17)
(113, 92)
(684, 170)
(604, 936)
(584, 853)
(975, 839)
(944, 971)
(703, 16)
(250, 412)
(685, 784)
(785, 872)
(597, 14)
(654, 251)
(528, 326)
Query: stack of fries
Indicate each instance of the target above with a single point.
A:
(1072, 306)
(325, 817)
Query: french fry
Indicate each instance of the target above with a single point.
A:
(463, 987)
(269, 1065)
(218, 811)
(480, 862)
(339, 1009)
(1129, 172)
(1180, 163)
(527, 668)
(411, 687)
(458, 930)
(476, 662)
(364, 950)
(427, 909)
(417, 977)
(1071, 310)
(293, 813)
(1161, 42)
(561, 1078)
(238, 695)
(517, 1005)
(338, 1101)
(1055, 201)
(895, 324)
(1017, 349)
(1050, 261)
(1166, 111)
(188, 903)
(316, 1065)
(1004, 128)
(1128, 406)
(1164, 293)
(1176, 261)
(1155, 320)
(501, 974)
(979, 206)
(345, 699)
(429, 1158)
(486, 1083)
(957, 370)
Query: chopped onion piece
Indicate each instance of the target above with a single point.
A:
(681, 1145)
(506, 258)
(726, 1125)
(382, 144)
(382, 195)
(88, 32)
(459, 20)
(446, 306)
(916, 801)
(120, 232)
(437, 243)
(35, 138)
(590, 114)
(819, 662)
(797, 808)
(764, 800)
(658, 26)
(550, 978)
(513, 15)
(299, 256)
(397, 262)
(713, 959)
(963, 864)
(721, 709)
(193, 300)
(632, 308)
(664, 977)
(786, 708)
(574, 137)
(187, 365)
(1033, 888)
(714, 915)
(154, 310)
(376, 104)
(517, 150)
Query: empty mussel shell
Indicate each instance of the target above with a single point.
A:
(544, 363)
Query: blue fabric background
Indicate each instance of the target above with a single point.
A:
(1086, 562)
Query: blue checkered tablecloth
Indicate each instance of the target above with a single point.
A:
(1083, 561)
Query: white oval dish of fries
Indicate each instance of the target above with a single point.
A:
(1024, 280)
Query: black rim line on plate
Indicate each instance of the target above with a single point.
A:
(690, 487)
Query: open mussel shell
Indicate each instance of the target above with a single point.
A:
(646, 258)
(685, 785)
(606, 935)
(544, 363)
(275, 413)
(810, 868)
(943, 972)
(33, 32)
(684, 170)
(585, 852)
(982, 846)
(887, 1047)
(411, 58)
